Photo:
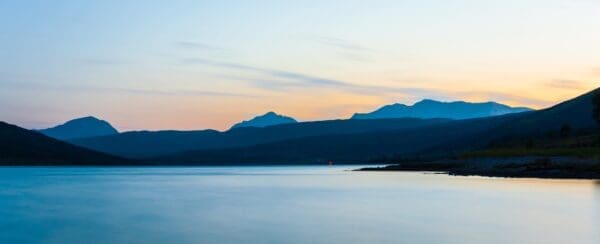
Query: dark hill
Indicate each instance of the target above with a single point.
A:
(20, 146)
(80, 128)
(437, 140)
(428, 108)
(149, 144)
(268, 119)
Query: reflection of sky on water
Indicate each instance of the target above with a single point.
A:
(290, 204)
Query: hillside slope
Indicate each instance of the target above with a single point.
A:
(20, 146)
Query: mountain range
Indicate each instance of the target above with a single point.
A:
(350, 141)
(144, 144)
(428, 108)
(272, 127)
(80, 128)
(440, 140)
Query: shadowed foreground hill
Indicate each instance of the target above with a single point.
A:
(20, 146)
(143, 144)
(438, 140)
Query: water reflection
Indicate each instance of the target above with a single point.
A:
(289, 205)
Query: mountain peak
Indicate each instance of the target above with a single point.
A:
(433, 101)
(86, 119)
(267, 119)
(88, 126)
(427, 101)
(89, 117)
(429, 108)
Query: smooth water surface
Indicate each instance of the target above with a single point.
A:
(289, 205)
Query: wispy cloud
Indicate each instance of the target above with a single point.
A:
(199, 45)
(301, 80)
(354, 57)
(346, 49)
(85, 88)
(306, 79)
(192, 93)
(596, 71)
(100, 61)
(282, 80)
(342, 44)
(566, 84)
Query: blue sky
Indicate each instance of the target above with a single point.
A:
(207, 64)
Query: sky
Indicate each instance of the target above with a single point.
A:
(188, 65)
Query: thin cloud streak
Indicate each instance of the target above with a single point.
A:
(346, 50)
(300, 81)
(596, 71)
(100, 61)
(193, 93)
(341, 43)
(566, 84)
(354, 57)
(198, 45)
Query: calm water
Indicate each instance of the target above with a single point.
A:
(289, 205)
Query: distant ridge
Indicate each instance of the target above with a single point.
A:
(80, 128)
(143, 144)
(428, 108)
(440, 140)
(268, 119)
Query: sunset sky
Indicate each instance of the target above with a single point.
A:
(208, 64)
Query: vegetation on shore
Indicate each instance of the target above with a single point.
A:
(584, 152)
(583, 143)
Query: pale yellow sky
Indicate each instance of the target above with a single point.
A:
(209, 64)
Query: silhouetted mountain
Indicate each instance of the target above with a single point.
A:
(80, 128)
(436, 140)
(434, 109)
(20, 146)
(148, 144)
(268, 119)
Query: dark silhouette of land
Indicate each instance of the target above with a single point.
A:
(146, 144)
(272, 127)
(562, 141)
(20, 146)
(428, 108)
(268, 119)
(558, 167)
(80, 128)
(437, 141)
(563, 153)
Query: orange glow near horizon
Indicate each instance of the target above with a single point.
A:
(214, 64)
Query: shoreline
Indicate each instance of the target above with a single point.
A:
(523, 167)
